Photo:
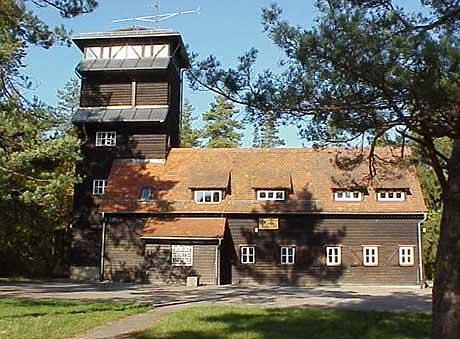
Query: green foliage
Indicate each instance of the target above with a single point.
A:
(68, 102)
(221, 129)
(37, 155)
(52, 319)
(190, 137)
(266, 135)
(253, 323)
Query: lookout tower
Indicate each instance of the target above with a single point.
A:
(131, 93)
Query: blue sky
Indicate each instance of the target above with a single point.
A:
(223, 28)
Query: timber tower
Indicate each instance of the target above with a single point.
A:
(131, 93)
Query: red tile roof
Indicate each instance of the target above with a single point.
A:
(311, 175)
(184, 228)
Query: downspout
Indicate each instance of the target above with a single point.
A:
(101, 278)
(218, 261)
(420, 254)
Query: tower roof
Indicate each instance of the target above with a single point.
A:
(137, 35)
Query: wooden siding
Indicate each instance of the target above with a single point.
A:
(143, 146)
(152, 93)
(130, 258)
(310, 236)
(94, 94)
(160, 270)
(124, 251)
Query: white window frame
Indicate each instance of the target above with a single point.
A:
(99, 186)
(333, 259)
(375, 255)
(182, 255)
(287, 255)
(106, 138)
(246, 257)
(391, 195)
(197, 193)
(271, 195)
(341, 195)
(406, 256)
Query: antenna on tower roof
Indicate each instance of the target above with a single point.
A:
(157, 17)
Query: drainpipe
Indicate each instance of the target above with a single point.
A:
(218, 261)
(101, 278)
(420, 254)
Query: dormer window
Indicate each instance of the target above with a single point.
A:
(208, 196)
(106, 138)
(343, 195)
(391, 196)
(270, 195)
(146, 194)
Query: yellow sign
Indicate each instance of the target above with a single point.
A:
(268, 223)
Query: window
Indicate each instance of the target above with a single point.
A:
(370, 256)
(181, 255)
(406, 256)
(348, 195)
(208, 197)
(146, 193)
(106, 138)
(248, 255)
(287, 255)
(333, 255)
(391, 196)
(270, 195)
(99, 186)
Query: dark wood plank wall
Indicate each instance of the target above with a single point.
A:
(94, 94)
(142, 146)
(124, 251)
(310, 236)
(100, 93)
(130, 258)
(160, 270)
(152, 93)
(173, 120)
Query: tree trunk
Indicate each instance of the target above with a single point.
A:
(446, 290)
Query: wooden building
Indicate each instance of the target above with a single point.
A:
(149, 210)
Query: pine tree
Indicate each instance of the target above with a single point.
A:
(266, 135)
(221, 129)
(68, 102)
(36, 160)
(190, 137)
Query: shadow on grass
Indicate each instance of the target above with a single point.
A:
(239, 322)
(21, 308)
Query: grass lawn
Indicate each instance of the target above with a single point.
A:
(221, 322)
(26, 318)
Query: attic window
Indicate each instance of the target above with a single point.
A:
(146, 194)
(391, 196)
(343, 195)
(270, 195)
(208, 197)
